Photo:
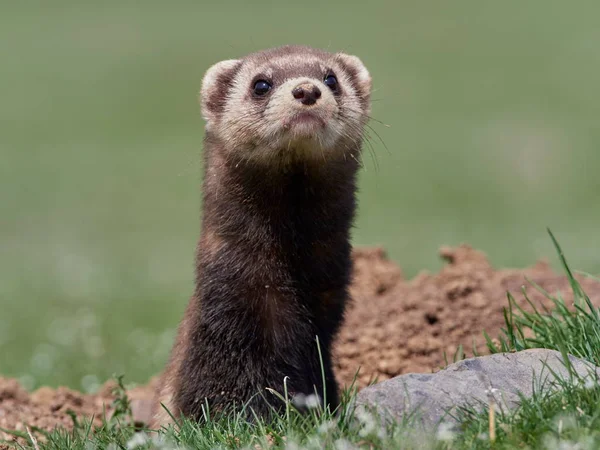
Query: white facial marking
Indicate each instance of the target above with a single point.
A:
(277, 125)
(210, 82)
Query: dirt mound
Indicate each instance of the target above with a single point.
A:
(393, 326)
(45, 408)
(48, 408)
(396, 326)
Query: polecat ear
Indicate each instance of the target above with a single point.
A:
(358, 72)
(215, 85)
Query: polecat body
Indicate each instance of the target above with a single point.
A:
(284, 129)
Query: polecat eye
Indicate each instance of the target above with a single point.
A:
(261, 87)
(331, 82)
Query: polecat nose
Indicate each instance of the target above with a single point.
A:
(307, 94)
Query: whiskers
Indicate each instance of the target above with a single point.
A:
(256, 136)
(356, 122)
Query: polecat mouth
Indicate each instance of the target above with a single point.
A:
(304, 121)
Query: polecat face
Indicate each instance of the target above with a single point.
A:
(287, 102)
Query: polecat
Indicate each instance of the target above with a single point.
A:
(284, 129)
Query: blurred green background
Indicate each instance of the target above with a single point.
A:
(493, 110)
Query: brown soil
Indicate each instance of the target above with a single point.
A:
(397, 326)
(394, 326)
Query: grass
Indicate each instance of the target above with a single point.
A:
(490, 103)
(576, 332)
(567, 418)
(564, 418)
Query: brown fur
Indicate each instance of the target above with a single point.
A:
(273, 260)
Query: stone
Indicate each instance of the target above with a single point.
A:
(472, 382)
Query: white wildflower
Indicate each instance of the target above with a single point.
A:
(445, 432)
(291, 445)
(162, 442)
(552, 443)
(137, 440)
(313, 401)
(327, 426)
(299, 400)
(491, 392)
(569, 445)
(367, 421)
(314, 443)
(344, 444)
(310, 401)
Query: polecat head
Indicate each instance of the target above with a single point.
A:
(287, 103)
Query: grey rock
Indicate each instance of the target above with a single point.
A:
(473, 383)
